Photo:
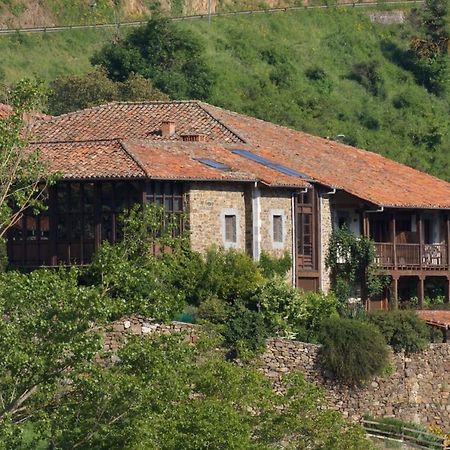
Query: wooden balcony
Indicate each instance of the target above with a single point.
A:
(411, 256)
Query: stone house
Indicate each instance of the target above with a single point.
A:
(241, 182)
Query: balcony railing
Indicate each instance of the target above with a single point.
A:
(411, 256)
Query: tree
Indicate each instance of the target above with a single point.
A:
(24, 176)
(164, 394)
(44, 334)
(74, 92)
(431, 45)
(169, 56)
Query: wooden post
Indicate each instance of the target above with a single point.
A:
(447, 290)
(394, 239)
(394, 292)
(421, 290)
(421, 240)
(447, 221)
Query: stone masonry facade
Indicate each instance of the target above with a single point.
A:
(326, 230)
(418, 389)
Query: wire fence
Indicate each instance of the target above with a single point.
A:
(417, 438)
(138, 23)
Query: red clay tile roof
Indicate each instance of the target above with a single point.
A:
(93, 159)
(437, 318)
(364, 174)
(133, 120)
(179, 160)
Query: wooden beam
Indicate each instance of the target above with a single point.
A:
(421, 240)
(394, 293)
(447, 220)
(447, 289)
(421, 290)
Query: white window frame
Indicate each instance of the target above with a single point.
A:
(277, 212)
(230, 212)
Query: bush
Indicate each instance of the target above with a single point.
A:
(368, 76)
(213, 310)
(245, 331)
(352, 350)
(403, 330)
(271, 266)
(228, 275)
(287, 311)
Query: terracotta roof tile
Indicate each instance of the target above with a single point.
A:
(133, 120)
(180, 160)
(93, 159)
(437, 318)
(367, 175)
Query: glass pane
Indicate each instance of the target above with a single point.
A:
(45, 228)
(121, 196)
(107, 197)
(135, 193)
(76, 230)
(230, 228)
(89, 227)
(107, 228)
(75, 197)
(177, 204)
(31, 228)
(89, 198)
(62, 198)
(61, 229)
(168, 204)
(278, 228)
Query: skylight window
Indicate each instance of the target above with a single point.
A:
(214, 164)
(271, 164)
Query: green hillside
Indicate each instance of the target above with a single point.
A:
(327, 72)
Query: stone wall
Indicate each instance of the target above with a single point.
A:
(418, 390)
(326, 230)
(208, 203)
(278, 202)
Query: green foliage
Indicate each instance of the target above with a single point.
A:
(353, 351)
(429, 45)
(24, 175)
(403, 330)
(272, 266)
(71, 93)
(163, 53)
(245, 332)
(163, 392)
(137, 281)
(229, 275)
(45, 332)
(351, 261)
(213, 310)
(368, 76)
(291, 313)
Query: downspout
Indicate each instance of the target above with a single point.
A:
(256, 221)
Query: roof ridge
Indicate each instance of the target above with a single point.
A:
(200, 104)
(74, 141)
(138, 162)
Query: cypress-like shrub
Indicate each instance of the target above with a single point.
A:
(352, 350)
(403, 330)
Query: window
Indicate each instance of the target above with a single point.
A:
(230, 228)
(278, 228)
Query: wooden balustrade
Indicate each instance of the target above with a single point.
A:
(411, 256)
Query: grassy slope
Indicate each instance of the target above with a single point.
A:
(260, 63)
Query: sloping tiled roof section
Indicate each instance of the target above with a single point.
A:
(93, 159)
(122, 120)
(180, 160)
(365, 174)
(5, 110)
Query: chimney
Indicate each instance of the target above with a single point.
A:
(168, 128)
(194, 137)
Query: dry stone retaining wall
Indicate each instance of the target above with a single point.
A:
(418, 389)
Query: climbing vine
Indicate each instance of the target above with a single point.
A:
(351, 260)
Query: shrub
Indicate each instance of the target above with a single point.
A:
(353, 351)
(271, 266)
(213, 310)
(228, 275)
(245, 331)
(368, 76)
(287, 311)
(403, 330)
